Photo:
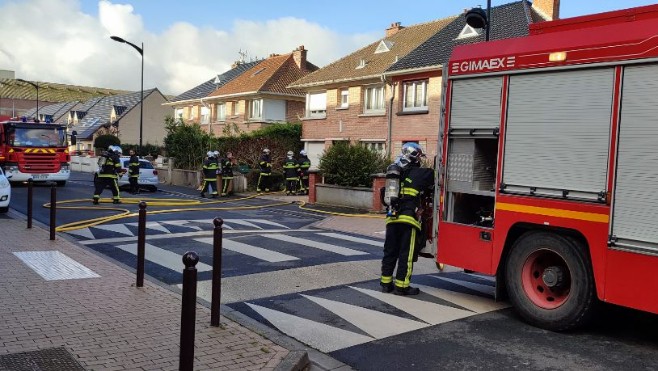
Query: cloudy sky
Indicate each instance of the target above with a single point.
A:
(187, 42)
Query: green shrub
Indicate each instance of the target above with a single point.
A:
(147, 149)
(351, 165)
(102, 142)
(187, 144)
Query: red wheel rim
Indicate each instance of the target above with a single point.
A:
(533, 283)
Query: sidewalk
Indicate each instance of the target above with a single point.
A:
(103, 321)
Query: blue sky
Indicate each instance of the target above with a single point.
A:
(188, 42)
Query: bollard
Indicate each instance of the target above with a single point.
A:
(188, 312)
(30, 185)
(216, 272)
(53, 210)
(141, 243)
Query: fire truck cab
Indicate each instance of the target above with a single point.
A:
(550, 165)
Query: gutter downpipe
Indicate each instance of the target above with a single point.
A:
(389, 135)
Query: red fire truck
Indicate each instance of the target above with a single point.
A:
(549, 165)
(37, 151)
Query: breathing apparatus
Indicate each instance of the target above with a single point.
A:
(392, 185)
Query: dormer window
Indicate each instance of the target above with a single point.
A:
(362, 63)
(384, 46)
(468, 32)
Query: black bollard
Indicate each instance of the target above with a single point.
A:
(53, 209)
(141, 243)
(30, 185)
(188, 312)
(216, 272)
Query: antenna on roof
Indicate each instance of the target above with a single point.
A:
(243, 55)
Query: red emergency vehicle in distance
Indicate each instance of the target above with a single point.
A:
(549, 165)
(33, 150)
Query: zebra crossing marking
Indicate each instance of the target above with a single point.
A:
(84, 232)
(353, 239)
(156, 226)
(317, 245)
(163, 257)
(250, 250)
(474, 303)
(117, 228)
(485, 289)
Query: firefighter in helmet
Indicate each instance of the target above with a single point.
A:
(403, 225)
(226, 168)
(133, 172)
(209, 170)
(109, 169)
(304, 165)
(291, 173)
(264, 178)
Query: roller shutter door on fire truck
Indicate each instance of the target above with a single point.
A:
(476, 104)
(635, 202)
(557, 134)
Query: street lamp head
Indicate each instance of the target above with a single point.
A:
(117, 38)
(476, 18)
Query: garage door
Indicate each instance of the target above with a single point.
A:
(635, 198)
(315, 150)
(558, 132)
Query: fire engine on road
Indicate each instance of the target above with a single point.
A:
(548, 174)
(37, 151)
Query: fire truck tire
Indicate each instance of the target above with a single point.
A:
(540, 281)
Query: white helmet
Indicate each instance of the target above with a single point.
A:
(302, 152)
(210, 154)
(412, 151)
(266, 151)
(216, 154)
(291, 153)
(118, 150)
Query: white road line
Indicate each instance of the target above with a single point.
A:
(152, 225)
(353, 239)
(317, 245)
(253, 251)
(368, 320)
(475, 303)
(84, 232)
(181, 223)
(485, 289)
(118, 228)
(431, 313)
(241, 222)
(263, 221)
(318, 335)
(163, 257)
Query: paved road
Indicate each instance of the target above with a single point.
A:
(283, 271)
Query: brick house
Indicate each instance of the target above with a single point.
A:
(389, 92)
(256, 95)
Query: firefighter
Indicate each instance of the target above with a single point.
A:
(209, 171)
(291, 173)
(304, 165)
(264, 178)
(109, 168)
(403, 225)
(133, 172)
(227, 175)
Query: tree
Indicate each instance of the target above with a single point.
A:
(102, 142)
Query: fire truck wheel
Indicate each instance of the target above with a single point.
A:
(550, 281)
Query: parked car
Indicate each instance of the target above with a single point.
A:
(5, 191)
(148, 175)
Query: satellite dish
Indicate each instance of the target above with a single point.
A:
(476, 18)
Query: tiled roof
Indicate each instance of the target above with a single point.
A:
(98, 111)
(209, 86)
(507, 21)
(401, 43)
(51, 92)
(57, 110)
(271, 75)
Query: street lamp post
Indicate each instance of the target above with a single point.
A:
(141, 100)
(36, 87)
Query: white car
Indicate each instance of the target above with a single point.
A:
(148, 175)
(5, 191)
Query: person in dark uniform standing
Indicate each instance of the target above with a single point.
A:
(304, 165)
(109, 168)
(133, 172)
(403, 227)
(209, 171)
(227, 174)
(264, 178)
(291, 173)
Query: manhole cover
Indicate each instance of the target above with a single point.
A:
(53, 359)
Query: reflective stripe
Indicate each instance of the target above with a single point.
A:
(387, 279)
(403, 219)
(410, 258)
(409, 192)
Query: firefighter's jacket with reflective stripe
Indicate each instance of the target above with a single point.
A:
(133, 166)
(414, 181)
(210, 169)
(304, 165)
(265, 164)
(291, 169)
(111, 167)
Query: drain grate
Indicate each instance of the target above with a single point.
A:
(52, 359)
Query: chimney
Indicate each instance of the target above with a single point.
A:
(549, 9)
(395, 27)
(299, 55)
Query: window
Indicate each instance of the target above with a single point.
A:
(220, 112)
(205, 115)
(468, 32)
(192, 112)
(374, 146)
(256, 109)
(316, 104)
(178, 113)
(415, 95)
(344, 98)
(374, 99)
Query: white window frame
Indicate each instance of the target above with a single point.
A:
(375, 146)
(220, 112)
(414, 105)
(255, 109)
(316, 104)
(205, 115)
(373, 99)
(344, 98)
(178, 113)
